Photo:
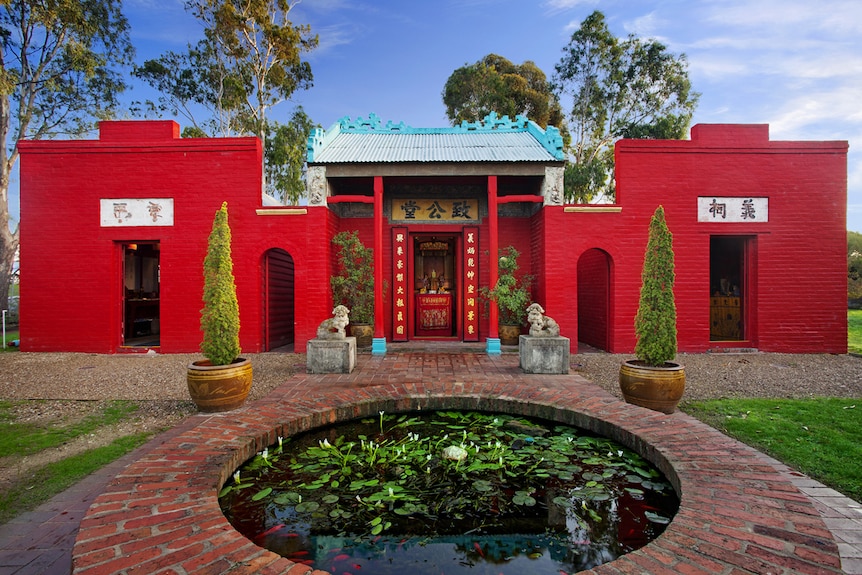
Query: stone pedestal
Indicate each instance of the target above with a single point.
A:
(544, 354)
(331, 355)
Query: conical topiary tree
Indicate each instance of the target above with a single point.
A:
(220, 314)
(655, 322)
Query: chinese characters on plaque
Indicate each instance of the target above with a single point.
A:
(399, 284)
(732, 209)
(471, 284)
(436, 210)
(136, 212)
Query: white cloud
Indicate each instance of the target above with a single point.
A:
(562, 5)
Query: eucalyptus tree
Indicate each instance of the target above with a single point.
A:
(249, 60)
(617, 88)
(286, 148)
(494, 84)
(59, 73)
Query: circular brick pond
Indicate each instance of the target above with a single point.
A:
(737, 513)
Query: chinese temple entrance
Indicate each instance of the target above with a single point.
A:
(435, 289)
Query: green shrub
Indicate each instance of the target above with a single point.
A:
(655, 322)
(510, 293)
(220, 314)
(353, 285)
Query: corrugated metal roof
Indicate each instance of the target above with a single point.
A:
(466, 147)
(495, 139)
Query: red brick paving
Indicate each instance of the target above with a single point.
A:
(737, 513)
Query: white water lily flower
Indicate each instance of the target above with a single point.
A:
(455, 453)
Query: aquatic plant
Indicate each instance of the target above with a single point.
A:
(445, 474)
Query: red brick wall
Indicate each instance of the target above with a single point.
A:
(797, 296)
(71, 282)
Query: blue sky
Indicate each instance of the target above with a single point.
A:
(793, 64)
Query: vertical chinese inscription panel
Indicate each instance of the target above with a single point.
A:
(399, 284)
(471, 284)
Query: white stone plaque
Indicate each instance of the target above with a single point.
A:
(720, 209)
(125, 212)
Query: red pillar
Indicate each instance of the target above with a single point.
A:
(493, 344)
(378, 344)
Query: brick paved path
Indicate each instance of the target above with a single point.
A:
(740, 512)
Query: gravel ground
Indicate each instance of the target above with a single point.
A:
(70, 386)
(154, 377)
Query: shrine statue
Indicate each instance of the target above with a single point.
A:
(333, 328)
(540, 324)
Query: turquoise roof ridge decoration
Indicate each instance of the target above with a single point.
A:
(549, 138)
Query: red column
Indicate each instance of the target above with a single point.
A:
(493, 346)
(378, 345)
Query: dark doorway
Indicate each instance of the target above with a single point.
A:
(594, 298)
(141, 313)
(435, 286)
(278, 278)
(727, 287)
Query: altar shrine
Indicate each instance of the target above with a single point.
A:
(118, 225)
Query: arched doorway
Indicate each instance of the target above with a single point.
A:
(594, 298)
(278, 297)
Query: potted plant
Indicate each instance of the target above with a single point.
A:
(653, 380)
(353, 284)
(222, 381)
(511, 294)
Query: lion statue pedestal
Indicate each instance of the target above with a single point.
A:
(332, 351)
(543, 350)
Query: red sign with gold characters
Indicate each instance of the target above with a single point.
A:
(399, 284)
(471, 284)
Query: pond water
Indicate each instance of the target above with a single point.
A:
(449, 492)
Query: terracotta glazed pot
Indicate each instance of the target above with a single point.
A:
(216, 388)
(509, 334)
(363, 332)
(657, 388)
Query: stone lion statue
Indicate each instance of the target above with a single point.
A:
(333, 328)
(540, 324)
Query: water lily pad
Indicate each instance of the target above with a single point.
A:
(656, 518)
(307, 506)
(261, 494)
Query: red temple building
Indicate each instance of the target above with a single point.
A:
(114, 231)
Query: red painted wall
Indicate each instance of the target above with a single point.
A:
(797, 296)
(71, 278)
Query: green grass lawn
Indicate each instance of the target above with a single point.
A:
(854, 330)
(10, 337)
(18, 439)
(819, 437)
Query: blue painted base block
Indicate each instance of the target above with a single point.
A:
(378, 346)
(492, 346)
